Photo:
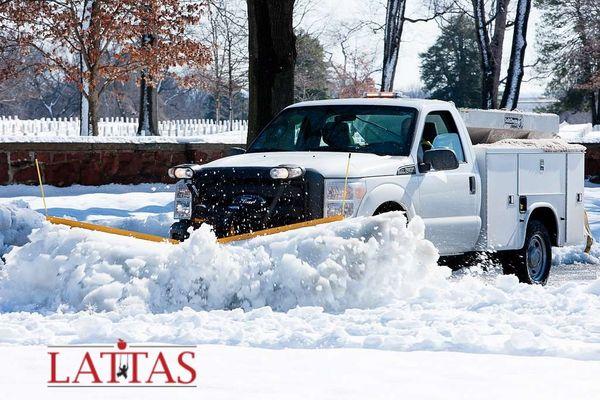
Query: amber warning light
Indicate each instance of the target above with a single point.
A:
(383, 95)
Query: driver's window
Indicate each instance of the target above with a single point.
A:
(337, 134)
(281, 135)
(440, 131)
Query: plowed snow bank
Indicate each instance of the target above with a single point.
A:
(16, 223)
(358, 263)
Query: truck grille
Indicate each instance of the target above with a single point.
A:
(242, 200)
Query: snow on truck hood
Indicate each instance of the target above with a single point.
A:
(328, 164)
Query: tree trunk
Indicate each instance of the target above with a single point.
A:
(93, 103)
(148, 118)
(148, 121)
(489, 99)
(85, 129)
(512, 89)
(218, 106)
(497, 45)
(230, 85)
(394, 24)
(272, 50)
(595, 106)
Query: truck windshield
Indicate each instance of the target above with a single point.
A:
(382, 130)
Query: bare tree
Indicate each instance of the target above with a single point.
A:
(499, 22)
(352, 76)
(516, 66)
(394, 24)
(226, 35)
(490, 50)
(235, 32)
(393, 29)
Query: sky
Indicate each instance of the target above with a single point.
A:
(416, 38)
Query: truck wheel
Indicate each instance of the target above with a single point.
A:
(179, 230)
(532, 263)
(458, 262)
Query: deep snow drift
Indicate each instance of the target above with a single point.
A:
(185, 294)
(146, 207)
(358, 263)
(16, 223)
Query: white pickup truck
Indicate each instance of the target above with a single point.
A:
(515, 197)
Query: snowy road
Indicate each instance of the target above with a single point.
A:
(474, 330)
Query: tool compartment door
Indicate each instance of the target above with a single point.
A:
(542, 179)
(502, 200)
(575, 207)
(541, 173)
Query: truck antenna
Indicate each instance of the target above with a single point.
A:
(37, 166)
(345, 193)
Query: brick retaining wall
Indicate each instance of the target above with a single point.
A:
(65, 164)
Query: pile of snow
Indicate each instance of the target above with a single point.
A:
(579, 133)
(546, 145)
(357, 263)
(146, 208)
(17, 221)
(465, 315)
(360, 283)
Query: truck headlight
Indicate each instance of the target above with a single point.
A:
(334, 197)
(286, 172)
(183, 201)
(181, 172)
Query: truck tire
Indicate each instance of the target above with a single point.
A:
(179, 230)
(532, 263)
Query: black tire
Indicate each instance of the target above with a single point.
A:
(456, 263)
(179, 230)
(532, 263)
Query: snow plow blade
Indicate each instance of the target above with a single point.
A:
(160, 239)
(284, 228)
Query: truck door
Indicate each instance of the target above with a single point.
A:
(449, 201)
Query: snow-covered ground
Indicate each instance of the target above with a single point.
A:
(230, 137)
(235, 372)
(579, 133)
(146, 207)
(122, 130)
(353, 288)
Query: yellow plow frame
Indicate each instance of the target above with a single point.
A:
(160, 239)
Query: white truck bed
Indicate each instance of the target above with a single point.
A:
(540, 171)
(489, 126)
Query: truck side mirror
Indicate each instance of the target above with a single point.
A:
(234, 151)
(441, 159)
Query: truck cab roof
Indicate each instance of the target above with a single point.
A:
(419, 104)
